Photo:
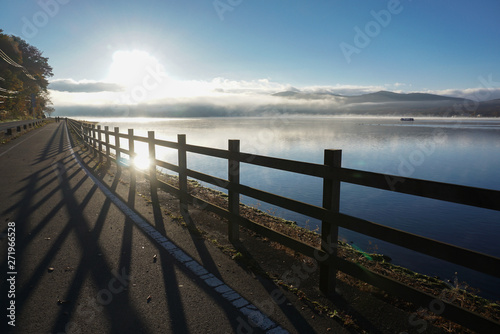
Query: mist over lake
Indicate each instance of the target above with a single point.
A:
(463, 151)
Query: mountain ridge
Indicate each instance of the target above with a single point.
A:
(376, 97)
(390, 103)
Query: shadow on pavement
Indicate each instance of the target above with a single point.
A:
(48, 203)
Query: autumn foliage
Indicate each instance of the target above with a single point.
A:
(24, 74)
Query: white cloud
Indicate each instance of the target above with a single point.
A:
(260, 86)
(162, 90)
(349, 90)
(64, 98)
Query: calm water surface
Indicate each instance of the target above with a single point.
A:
(460, 151)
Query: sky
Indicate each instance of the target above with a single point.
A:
(131, 52)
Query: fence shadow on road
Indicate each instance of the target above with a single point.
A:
(54, 230)
(176, 309)
(89, 157)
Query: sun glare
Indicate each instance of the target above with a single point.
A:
(144, 80)
(141, 162)
(130, 68)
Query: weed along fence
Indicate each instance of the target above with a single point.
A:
(332, 173)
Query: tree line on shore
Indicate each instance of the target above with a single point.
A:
(24, 74)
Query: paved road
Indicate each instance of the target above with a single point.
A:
(82, 265)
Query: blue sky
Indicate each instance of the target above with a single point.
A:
(349, 47)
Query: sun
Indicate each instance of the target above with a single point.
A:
(143, 80)
(131, 68)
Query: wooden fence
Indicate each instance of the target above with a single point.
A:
(332, 174)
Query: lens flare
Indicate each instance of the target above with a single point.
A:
(141, 162)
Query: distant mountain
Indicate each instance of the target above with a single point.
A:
(385, 96)
(390, 103)
(378, 97)
(296, 102)
(489, 108)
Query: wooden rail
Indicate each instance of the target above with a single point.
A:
(332, 174)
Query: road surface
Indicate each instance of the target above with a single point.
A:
(75, 260)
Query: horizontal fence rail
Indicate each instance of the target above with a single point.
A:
(332, 174)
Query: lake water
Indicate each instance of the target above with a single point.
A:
(459, 151)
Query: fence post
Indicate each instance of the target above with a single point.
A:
(94, 145)
(153, 182)
(106, 136)
(330, 230)
(131, 156)
(233, 195)
(182, 161)
(87, 134)
(82, 131)
(84, 134)
(117, 150)
(99, 138)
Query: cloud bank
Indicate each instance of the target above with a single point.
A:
(84, 86)
(161, 95)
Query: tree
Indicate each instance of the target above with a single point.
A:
(13, 102)
(24, 74)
